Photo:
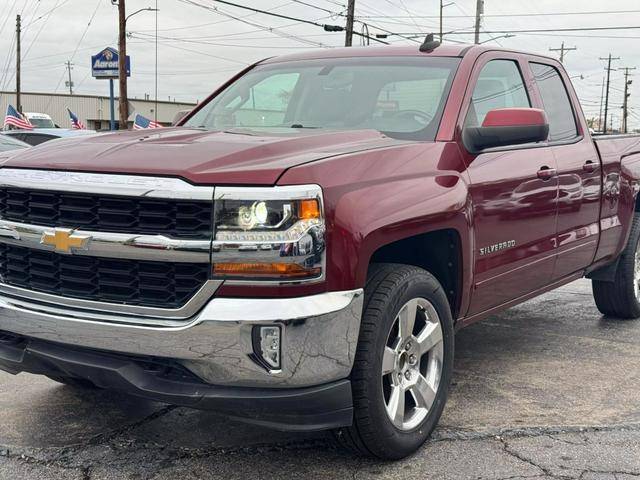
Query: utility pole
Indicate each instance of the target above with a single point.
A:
(562, 49)
(479, 12)
(625, 101)
(606, 99)
(123, 104)
(18, 99)
(601, 103)
(69, 82)
(351, 11)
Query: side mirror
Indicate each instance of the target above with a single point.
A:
(504, 127)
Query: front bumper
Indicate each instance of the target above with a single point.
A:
(319, 336)
(206, 362)
(295, 409)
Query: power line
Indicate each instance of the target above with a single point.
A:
(48, 12)
(84, 33)
(40, 30)
(274, 30)
(205, 42)
(4, 23)
(508, 15)
(326, 10)
(578, 29)
(329, 28)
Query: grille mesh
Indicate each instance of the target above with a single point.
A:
(131, 282)
(188, 219)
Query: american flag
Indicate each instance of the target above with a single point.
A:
(16, 119)
(142, 123)
(76, 124)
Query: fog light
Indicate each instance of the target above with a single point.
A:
(268, 343)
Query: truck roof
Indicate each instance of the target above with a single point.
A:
(447, 50)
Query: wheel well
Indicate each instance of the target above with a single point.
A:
(637, 209)
(438, 252)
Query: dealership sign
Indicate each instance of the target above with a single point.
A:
(105, 64)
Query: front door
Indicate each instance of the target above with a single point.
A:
(514, 194)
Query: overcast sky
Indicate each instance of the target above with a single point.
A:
(199, 48)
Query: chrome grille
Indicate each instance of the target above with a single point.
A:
(183, 219)
(147, 249)
(131, 282)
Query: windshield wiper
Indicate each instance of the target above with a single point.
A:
(299, 125)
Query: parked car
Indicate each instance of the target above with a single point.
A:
(301, 250)
(41, 135)
(8, 143)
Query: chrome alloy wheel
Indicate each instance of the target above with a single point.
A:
(412, 364)
(636, 273)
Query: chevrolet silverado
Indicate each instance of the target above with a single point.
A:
(300, 250)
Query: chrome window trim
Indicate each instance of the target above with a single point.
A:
(95, 310)
(113, 184)
(111, 245)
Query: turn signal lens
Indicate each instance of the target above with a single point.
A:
(275, 270)
(309, 209)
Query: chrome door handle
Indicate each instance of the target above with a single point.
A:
(590, 166)
(545, 173)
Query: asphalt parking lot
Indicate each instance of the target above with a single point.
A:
(548, 389)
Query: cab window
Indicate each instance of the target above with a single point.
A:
(499, 85)
(556, 102)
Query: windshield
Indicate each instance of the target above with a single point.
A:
(42, 123)
(400, 96)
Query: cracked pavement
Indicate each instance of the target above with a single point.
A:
(547, 389)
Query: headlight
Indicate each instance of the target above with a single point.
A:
(275, 233)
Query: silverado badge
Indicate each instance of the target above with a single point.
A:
(497, 247)
(64, 240)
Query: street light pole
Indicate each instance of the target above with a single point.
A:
(507, 35)
(442, 7)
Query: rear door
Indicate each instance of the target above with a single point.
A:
(579, 172)
(513, 190)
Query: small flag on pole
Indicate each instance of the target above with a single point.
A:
(76, 124)
(142, 123)
(14, 118)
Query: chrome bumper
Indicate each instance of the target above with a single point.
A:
(319, 336)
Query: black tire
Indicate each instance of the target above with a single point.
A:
(73, 382)
(388, 288)
(619, 299)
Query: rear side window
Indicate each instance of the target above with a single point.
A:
(562, 122)
(499, 85)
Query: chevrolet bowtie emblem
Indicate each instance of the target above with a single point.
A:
(64, 240)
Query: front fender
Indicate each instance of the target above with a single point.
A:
(378, 197)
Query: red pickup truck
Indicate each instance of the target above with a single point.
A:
(299, 252)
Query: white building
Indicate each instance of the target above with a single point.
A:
(92, 110)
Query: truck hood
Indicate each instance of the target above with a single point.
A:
(199, 156)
